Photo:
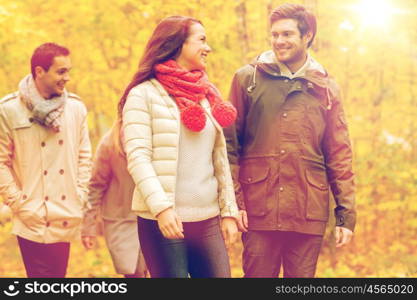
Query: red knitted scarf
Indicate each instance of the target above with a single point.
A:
(188, 88)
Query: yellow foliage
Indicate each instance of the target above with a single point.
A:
(374, 66)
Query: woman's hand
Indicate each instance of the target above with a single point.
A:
(229, 230)
(89, 242)
(170, 224)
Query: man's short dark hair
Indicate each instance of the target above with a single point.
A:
(306, 21)
(43, 56)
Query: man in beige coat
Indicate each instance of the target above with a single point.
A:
(45, 155)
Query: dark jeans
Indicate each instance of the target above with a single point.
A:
(202, 253)
(44, 260)
(264, 251)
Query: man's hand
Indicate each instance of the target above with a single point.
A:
(343, 236)
(242, 221)
(170, 224)
(229, 230)
(89, 242)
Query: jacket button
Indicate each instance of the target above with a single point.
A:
(48, 223)
(282, 151)
(309, 85)
(65, 223)
(45, 172)
(46, 198)
(43, 144)
(322, 185)
(61, 171)
(281, 189)
(63, 197)
(24, 197)
(61, 142)
(286, 80)
(284, 115)
(250, 179)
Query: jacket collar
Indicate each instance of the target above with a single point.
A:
(172, 106)
(20, 115)
(268, 63)
(311, 71)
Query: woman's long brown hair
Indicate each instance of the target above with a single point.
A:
(165, 44)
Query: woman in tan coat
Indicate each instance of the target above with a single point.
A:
(176, 152)
(110, 192)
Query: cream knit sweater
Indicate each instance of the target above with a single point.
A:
(196, 190)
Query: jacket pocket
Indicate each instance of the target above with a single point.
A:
(15, 204)
(317, 207)
(22, 128)
(32, 213)
(254, 181)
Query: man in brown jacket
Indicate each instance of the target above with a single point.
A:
(45, 157)
(288, 149)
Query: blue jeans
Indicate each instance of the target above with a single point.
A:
(202, 253)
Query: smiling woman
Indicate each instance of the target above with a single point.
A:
(195, 49)
(172, 119)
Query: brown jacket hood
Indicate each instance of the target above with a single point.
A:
(314, 73)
